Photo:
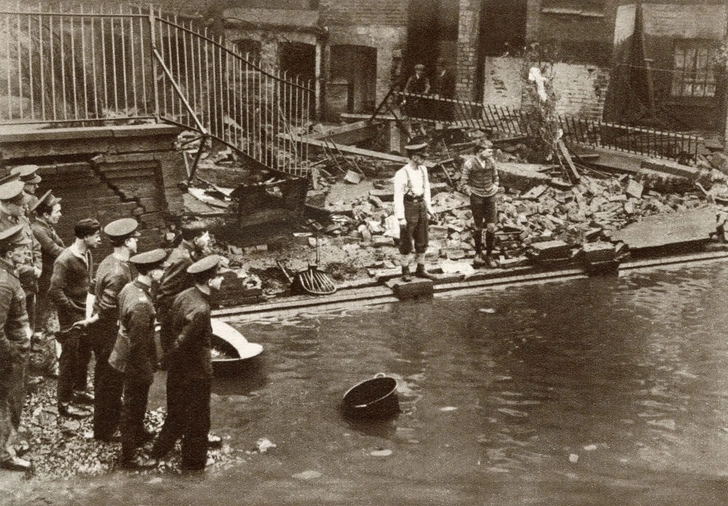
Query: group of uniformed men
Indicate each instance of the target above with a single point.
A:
(40, 278)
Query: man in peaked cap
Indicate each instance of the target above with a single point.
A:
(70, 285)
(28, 174)
(112, 275)
(194, 245)
(13, 212)
(136, 324)
(189, 366)
(14, 345)
(47, 214)
(479, 181)
(413, 208)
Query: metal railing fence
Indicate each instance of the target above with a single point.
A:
(61, 69)
(516, 123)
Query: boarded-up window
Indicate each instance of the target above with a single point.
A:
(694, 63)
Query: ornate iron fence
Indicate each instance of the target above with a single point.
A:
(60, 69)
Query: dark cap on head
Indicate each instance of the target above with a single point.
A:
(12, 191)
(416, 145)
(86, 227)
(46, 200)
(150, 259)
(484, 144)
(11, 237)
(192, 229)
(27, 173)
(120, 230)
(206, 265)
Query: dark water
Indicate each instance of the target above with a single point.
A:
(599, 391)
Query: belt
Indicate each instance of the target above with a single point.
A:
(413, 198)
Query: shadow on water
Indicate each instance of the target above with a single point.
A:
(385, 429)
(248, 377)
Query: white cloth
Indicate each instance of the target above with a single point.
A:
(411, 179)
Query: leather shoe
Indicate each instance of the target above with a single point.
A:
(22, 448)
(16, 464)
(422, 273)
(73, 411)
(491, 262)
(139, 463)
(214, 441)
(83, 397)
(406, 276)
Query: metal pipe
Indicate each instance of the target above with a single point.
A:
(152, 45)
(115, 80)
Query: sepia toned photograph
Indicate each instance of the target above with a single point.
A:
(348, 252)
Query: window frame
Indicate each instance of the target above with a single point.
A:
(694, 74)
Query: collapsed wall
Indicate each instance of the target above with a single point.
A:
(105, 172)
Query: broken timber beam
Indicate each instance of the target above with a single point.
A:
(351, 133)
(349, 149)
(571, 169)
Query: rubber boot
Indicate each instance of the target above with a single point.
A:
(489, 243)
(478, 261)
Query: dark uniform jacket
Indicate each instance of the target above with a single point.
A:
(50, 246)
(112, 275)
(26, 272)
(190, 354)
(14, 327)
(136, 319)
(175, 278)
(70, 285)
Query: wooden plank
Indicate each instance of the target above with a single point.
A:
(349, 149)
(351, 133)
(571, 169)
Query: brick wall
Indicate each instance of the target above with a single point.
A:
(363, 12)
(106, 173)
(684, 21)
(580, 89)
(467, 49)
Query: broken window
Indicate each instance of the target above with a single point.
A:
(694, 74)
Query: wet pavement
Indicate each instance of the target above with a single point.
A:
(601, 391)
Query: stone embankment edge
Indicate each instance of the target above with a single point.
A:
(343, 299)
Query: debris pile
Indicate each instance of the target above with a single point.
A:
(568, 199)
(62, 447)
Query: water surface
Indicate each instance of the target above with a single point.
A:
(596, 391)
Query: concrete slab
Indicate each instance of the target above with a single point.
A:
(411, 289)
(668, 229)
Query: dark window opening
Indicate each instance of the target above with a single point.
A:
(249, 48)
(503, 26)
(299, 60)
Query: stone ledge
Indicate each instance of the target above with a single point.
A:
(20, 134)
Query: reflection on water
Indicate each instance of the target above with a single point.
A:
(622, 377)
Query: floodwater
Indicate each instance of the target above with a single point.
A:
(604, 391)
